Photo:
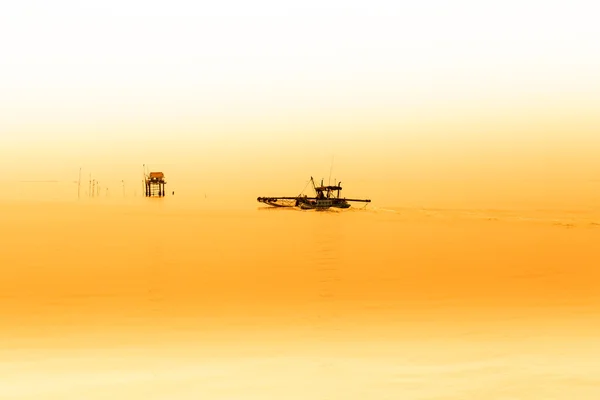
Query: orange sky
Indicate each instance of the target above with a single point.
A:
(489, 105)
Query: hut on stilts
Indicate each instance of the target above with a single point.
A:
(155, 184)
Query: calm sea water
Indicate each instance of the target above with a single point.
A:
(158, 300)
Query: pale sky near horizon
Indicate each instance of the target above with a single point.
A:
(417, 94)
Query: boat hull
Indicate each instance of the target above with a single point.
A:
(323, 204)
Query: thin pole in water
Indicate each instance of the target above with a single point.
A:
(79, 185)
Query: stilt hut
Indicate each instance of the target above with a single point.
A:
(155, 184)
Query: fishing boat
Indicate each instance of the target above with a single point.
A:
(325, 198)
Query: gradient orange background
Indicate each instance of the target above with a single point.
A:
(472, 127)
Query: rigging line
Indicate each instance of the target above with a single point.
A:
(304, 188)
(330, 170)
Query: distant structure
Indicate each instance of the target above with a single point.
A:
(155, 184)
